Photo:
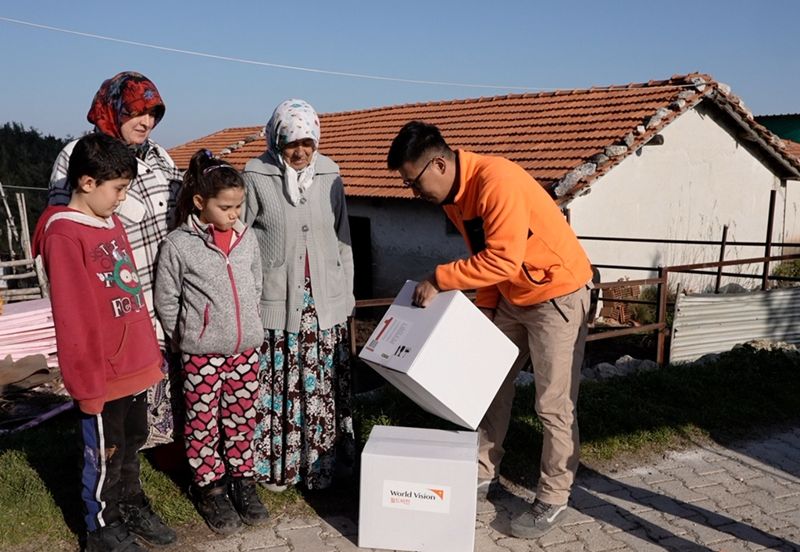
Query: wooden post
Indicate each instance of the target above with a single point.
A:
(721, 257)
(25, 234)
(768, 241)
(661, 314)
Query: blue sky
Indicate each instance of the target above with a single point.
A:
(49, 77)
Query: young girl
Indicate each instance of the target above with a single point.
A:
(208, 285)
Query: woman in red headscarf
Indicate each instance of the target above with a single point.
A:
(128, 106)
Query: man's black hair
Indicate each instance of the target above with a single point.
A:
(101, 157)
(413, 141)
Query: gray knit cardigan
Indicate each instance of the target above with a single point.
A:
(318, 225)
(207, 301)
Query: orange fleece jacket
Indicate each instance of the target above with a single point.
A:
(521, 244)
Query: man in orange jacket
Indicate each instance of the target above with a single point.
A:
(532, 278)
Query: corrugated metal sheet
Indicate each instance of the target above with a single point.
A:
(707, 323)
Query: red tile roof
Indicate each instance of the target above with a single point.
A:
(793, 148)
(565, 139)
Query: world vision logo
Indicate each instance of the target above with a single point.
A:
(416, 496)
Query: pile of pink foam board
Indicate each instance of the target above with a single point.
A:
(26, 328)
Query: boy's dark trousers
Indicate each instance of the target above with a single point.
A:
(110, 468)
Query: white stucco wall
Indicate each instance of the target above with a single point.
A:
(409, 239)
(791, 215)
(700, 179)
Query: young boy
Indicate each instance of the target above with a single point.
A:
(107, 347)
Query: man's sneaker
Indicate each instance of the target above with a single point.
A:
(538, 520)
(245, 500)
(112, 538)
(489, 488)
(213, 504)
(141, 520)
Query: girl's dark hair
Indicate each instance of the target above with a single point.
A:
(206, 176)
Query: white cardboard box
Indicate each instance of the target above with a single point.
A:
(418, 490)
(448, 357)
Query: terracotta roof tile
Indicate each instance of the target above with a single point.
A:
(793, 148)
(553, 135)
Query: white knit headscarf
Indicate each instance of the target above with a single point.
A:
(293, 120)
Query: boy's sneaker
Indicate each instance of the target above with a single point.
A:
(213, 504)
(245, 500)
(112, 538)
(538, 520)
(141, 520)
(489, 488)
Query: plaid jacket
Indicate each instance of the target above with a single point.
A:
(144, 213)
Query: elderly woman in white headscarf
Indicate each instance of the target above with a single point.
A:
(295, 205)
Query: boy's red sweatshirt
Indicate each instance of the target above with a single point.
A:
(107, 347)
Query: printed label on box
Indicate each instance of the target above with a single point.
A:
(387, 340)
(422, 497)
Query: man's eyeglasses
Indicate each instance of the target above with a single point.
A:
(415, 183)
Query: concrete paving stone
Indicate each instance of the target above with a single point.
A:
(723, 498)
(750, 534)
(626, 502)
(594, 539)
(611, 518)
(678, 490)
(485, 540)
(658, 526)
(704, 534)
(575, 517)
(742, 469)
(639, 540)
(260, 537)
(691, 478)
(789, 535)
(792, 517)
(651, 475)
(732, 484)
(271, 549)
(599, 483)
(771, 504)
(518, 545)
(339, 526)
(566, 547)
(776, 487)
(306, 539)
(229, 544)
(343, 544)
(753, 515)
(287, 524)
(667, 505)
(679, 544)
(734, 545)
(707, 513)
(557, 535)
(792, 502)
(699, 460)
(582, 499)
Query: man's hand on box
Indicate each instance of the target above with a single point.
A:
(425, 291)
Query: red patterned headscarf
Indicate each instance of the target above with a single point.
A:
(122, 97)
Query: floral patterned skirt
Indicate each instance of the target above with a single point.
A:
(304, 420)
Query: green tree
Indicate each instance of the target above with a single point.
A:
(26, 157)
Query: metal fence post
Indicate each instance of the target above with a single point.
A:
(768, 241)
(721, 257)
